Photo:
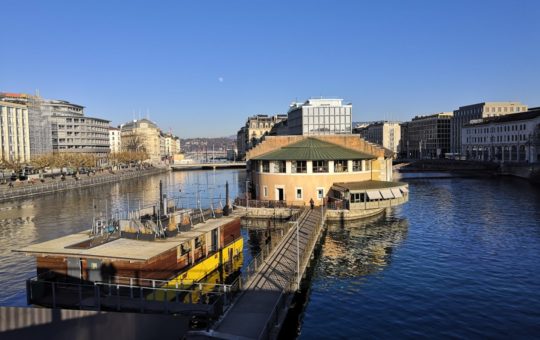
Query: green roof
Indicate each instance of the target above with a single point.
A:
(313, 149)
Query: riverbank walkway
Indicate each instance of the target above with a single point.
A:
(49, 185)
(208, 166)
(259, 312)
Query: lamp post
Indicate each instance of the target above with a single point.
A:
(297, 256)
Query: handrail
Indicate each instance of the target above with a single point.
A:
(271, 317)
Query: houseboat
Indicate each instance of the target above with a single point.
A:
(152, 261)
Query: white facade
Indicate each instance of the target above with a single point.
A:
(320, 117)
(512, 138)
(387, 134)
(465, 114)
(14, 132)
(115, 140)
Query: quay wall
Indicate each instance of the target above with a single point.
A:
(43, 323)
(527, 171)
(31, 190)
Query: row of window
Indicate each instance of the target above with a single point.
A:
(505, 128)
(299, 193)
(298, 167)
(507, 138)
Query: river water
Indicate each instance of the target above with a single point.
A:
(460, 259)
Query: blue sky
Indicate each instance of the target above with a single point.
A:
(201, 67)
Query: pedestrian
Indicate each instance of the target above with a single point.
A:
(312, 203)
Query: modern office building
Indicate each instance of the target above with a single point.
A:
(465, 114)
(115, 141)
(39, 125)
(142, 135)
(426, 136)
(387, 134)
(61, 126)
(320, 117)
(509, 138)
(72, 131)
(14, 132)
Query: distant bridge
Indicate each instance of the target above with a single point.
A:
(208, 166)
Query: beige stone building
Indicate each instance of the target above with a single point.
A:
(142, 135)
(387, 134)
(254, 130)
(169, 145)
(296, 169)
(115, 141)
(14, 132)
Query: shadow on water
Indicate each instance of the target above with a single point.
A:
(348, 250)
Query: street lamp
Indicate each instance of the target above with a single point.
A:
(297, 256)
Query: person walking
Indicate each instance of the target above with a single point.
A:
(312, 203)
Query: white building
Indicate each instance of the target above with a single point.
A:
(465, 114)
(320, 117)
(387, 134)
(115, 140)
(14, 132)
(508, 138)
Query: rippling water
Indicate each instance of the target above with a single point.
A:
(48, 217)
(461, 259)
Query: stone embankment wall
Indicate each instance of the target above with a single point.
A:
(30, 190)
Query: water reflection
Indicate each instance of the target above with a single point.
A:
(362, 247)
(47, 217)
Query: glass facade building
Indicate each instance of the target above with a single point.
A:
(320, 117)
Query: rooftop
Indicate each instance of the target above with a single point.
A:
(531, 114)
(313, 149)
(122, 248)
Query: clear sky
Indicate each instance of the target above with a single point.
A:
(200, 68)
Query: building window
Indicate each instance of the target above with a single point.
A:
(279, 167)
(299, 193)
(299, 167)
(265, 191)
(320, 193)
(357, 165)
(357, 197)
(340, 166)
(320, 166)
(265, 166)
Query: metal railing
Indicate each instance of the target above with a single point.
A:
(249, 270)
(249, 203)
(43, 188)
(154, 297)
(274, 318)
(280, 306)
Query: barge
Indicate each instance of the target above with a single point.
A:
(159, 260)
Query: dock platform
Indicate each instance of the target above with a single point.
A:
(262, 307)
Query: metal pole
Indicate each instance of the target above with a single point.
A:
(297, 257)
(247, 197)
